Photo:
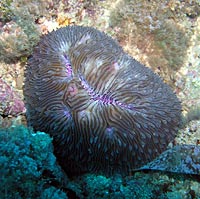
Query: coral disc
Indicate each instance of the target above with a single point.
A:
(105, 111)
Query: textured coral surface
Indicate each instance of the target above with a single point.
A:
(150, 31)
(105, 111)
(28, 165)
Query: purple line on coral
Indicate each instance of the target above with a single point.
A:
(105, 98)
(67, 65)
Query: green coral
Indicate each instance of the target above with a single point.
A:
(173, 41)
(28, 166)
(97, 186)
(53, 193)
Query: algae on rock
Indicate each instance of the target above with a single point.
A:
(161, 30)
(19, 33)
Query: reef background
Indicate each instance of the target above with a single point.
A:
(163, 35)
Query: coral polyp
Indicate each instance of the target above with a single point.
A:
(106, 112)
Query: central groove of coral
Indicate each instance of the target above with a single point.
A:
(104, 98)
(68, 65)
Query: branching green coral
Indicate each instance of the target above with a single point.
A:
(100, 187)
(25, 159)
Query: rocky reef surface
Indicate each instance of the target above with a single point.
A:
(163, 35)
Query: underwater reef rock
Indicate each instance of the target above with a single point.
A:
(179, 159)
(106, 112)
(10, 102)
(157, 32)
